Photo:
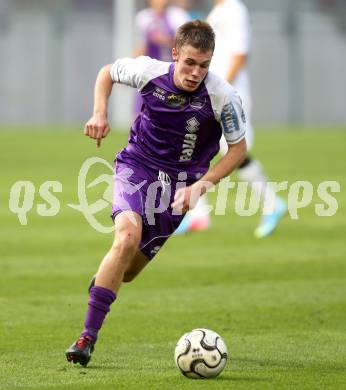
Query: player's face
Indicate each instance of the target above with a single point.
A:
(158, 5)
(191, 67)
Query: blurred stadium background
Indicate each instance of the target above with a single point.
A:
(51, 52)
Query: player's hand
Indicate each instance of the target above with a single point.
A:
(181, 200)
(185, 199)
(97, 128)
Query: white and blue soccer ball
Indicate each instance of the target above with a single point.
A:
(201, 353)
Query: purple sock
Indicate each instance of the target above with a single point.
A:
(100, 299)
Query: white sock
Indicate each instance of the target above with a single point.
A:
(253, 173)
(223, 146)
(201, 209)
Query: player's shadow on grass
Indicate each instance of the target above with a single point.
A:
(101, 367)
(91, 367)
(270, 363)
(232, 378)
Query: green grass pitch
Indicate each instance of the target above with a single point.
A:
(279, 303)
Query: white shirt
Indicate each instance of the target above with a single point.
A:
(231, 23)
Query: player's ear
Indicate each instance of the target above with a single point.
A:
(174, 54)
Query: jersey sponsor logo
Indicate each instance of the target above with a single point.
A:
(159, 93)
(197, 102)
(190, 138)
(176, 101)
(229, 118)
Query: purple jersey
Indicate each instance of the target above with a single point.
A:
(177, 130)
(151, 24)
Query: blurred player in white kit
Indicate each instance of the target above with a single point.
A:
(231, 23)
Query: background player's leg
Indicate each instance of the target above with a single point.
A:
(251, 171)
(196, 219)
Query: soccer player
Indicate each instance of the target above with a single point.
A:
(230, 21)
(155, 28)
(166, 162)
(190, 8)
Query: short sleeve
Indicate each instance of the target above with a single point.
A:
(233, 121)
(137, 72)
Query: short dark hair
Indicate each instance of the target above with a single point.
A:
(196, 33)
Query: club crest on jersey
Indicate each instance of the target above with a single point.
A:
(197, 102)
(190, 139)
(159, 93)
(175, 101)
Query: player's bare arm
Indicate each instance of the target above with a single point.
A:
(97, 126)
(139, 51)
(238, 62)
(186, 198)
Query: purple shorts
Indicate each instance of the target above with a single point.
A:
(149, 193)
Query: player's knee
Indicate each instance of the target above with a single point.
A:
(126, 242)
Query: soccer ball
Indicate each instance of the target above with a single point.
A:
(200, 353)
